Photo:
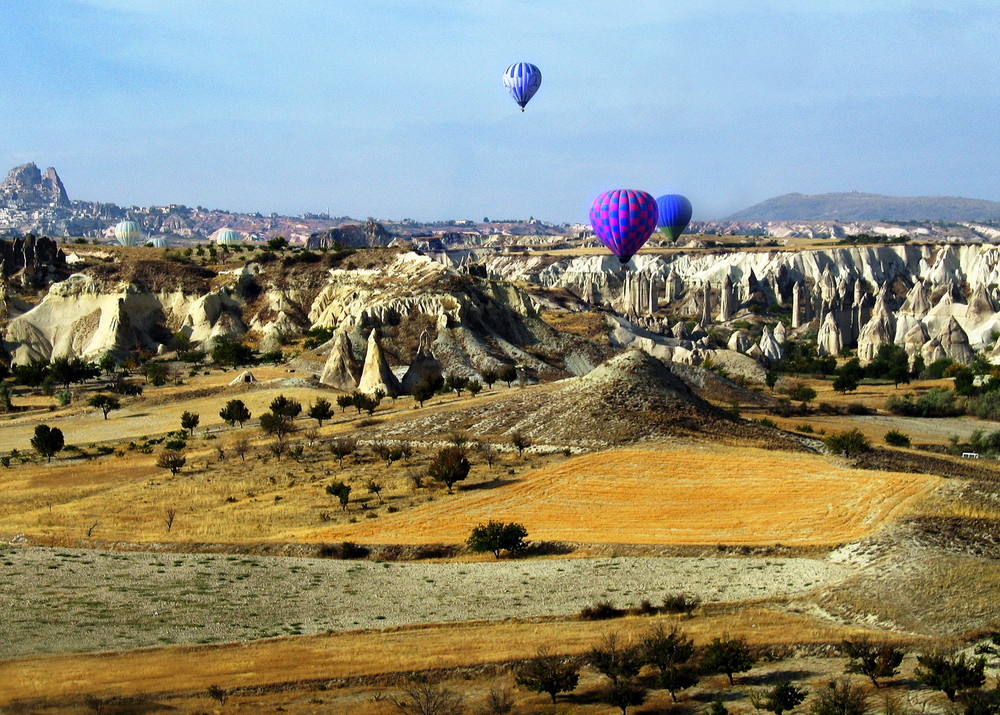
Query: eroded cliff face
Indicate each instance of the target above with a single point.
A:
(472, 324)
(855, 296)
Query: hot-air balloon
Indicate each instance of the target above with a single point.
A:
(673, 214)
(226, 237)
(128, 233)
(624, 220)
(522, 80)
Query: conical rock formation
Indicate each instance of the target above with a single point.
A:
(955, 342)
(376, 375)
(424, 366)
(829, 341)
(341, 369)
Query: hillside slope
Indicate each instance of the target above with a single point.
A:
(855, 206)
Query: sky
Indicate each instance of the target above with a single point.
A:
(395, 109)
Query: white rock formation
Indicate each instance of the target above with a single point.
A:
(829, 341)
(376, 374)
(341, 369)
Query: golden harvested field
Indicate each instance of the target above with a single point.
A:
(179, 671)
(690, 495)
(676, 494)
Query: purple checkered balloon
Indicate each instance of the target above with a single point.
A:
(623, 219)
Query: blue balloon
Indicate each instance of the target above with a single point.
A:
(673, 213)
(522, 80)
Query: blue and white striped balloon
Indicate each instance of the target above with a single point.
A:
(522, 80)
(128, 233)
(227, 237)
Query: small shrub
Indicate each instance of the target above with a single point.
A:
(681, 603)
(896, 438)
(601, 611)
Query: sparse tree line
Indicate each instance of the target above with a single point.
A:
(667, 659)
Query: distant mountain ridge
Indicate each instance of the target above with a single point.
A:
(855, 206)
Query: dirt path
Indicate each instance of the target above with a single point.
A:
(69, 600)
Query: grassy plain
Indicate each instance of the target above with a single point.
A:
(674, 494)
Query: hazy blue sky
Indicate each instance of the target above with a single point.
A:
(395, 109)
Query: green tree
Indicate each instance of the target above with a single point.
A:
(771, 379)
(849, 443)
(874, 659)
(964, 382)
(282, 405)
(105, 403)
(341, 491)
(182, 341)
(456, 383)
(32, 373)
(621, 664)
(474, 387)
(842, 697)
(156, 373)
(520, 442)
(235, 411)
(375, 487)
(108, 363)
(424, 391)
(497, 536)
(547, 673)
(276, 424)
(670, 653)
(47, 441)
(950, 673)
(343, 447)
(233, 354)
(896, 438)
(64, 371)
(449, 465)
(190, 420)
(848, 376)
(728, 655)
(778, 699)
(802, 393)
(489, 377)
(171, 459)
(616, 660)
(508, 374)
(320, 410)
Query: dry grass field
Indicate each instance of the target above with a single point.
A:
(675, 494)
(687, 495)
(179, 677)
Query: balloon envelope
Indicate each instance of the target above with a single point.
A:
(522, 80)
(623, 219)
(673, 215)
(127, 233)
(226, 237)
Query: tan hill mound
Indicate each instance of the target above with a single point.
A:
(630, 398)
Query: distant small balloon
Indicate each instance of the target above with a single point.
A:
(623, 220)
(673, 215)
(522, 80)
